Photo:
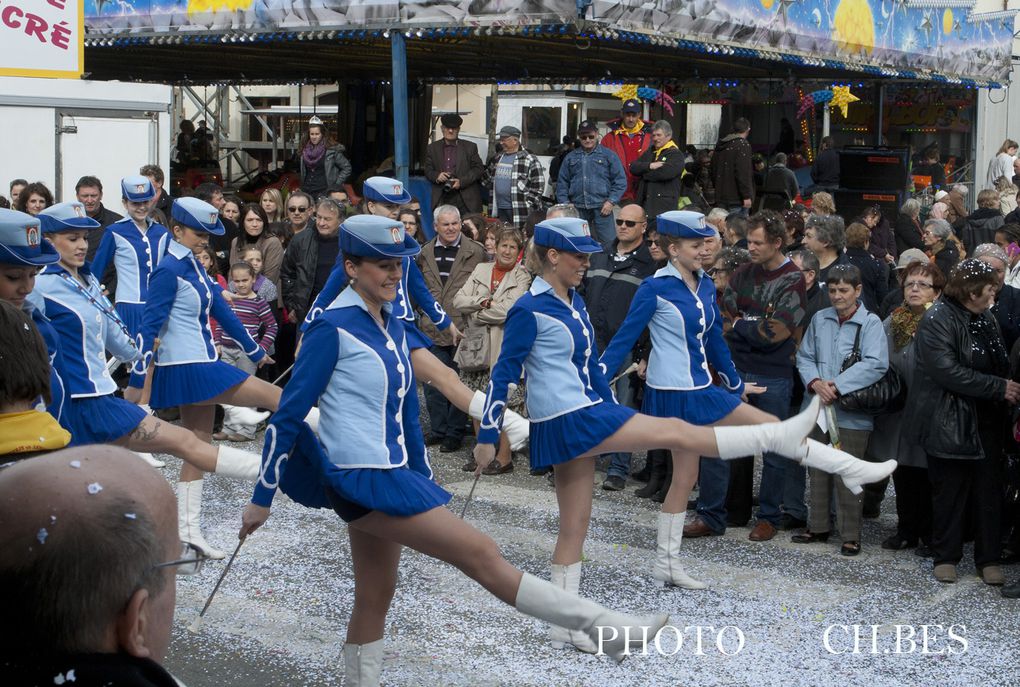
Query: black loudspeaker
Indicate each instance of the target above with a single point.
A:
(850, 203)
(867, 168)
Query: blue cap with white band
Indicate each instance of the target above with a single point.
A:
(69, 216)
(385, 190)
(569, 234)
(137, 189)
(21, 241)
(198, 215)
(684, 224)
(372, 236)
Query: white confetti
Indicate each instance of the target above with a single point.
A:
(62, 678)
(130, 516)
(95, 488)
(41, 535)
(75, 464)
(53, 519)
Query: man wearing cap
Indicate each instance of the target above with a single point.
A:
(89, 190)
(454, 168)
(593, 179)
(446, 262)
(516, 178)
(629, 137)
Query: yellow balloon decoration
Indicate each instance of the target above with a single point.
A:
(202, 6)
(853, 26)
(767, 4)
(841, 97)
(626, 92)
(947, 21)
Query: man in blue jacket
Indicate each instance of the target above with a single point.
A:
(593, 179)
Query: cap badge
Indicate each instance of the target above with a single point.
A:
(79, 210)
(398, 189)
(584, 228)
(396, 235)
(32, 236)
(212, 217)
(139, 188)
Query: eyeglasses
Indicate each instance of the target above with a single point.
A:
(629, 223)
(907, 286)
(190, 562)
(587, 137)
(303, 208)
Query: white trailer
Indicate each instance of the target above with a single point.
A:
(56, 131)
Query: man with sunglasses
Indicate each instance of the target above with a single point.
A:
(299, 213)
(88, 555)
(612, 280)
(593, 179)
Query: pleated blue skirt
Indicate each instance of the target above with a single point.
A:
(131, 314)
(178, 385)
(401, 492)
(100, 419)
(571, 435)
(698, 406)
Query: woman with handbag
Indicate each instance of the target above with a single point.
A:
(922, 284)
(486, 298)
(843, 350)
(955, 411)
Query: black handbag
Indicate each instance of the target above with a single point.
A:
(887, 395)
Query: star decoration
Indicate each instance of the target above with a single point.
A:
(784, 8)
(927, 27)
(841, 98)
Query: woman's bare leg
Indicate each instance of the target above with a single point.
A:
(442, 535)
(375, 561)
(643, 432)
(152, 435)
(251, 393)
(574, 480)
(685, 463)
(198, 419)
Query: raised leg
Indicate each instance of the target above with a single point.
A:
(375, 561)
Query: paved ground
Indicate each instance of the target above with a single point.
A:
(279, 617)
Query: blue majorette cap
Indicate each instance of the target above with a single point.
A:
(198, 215)
(137, 189)
(684, 224)
(21, 241)
(372, 236)
(385, 190)
(69, 216)
(570, 234)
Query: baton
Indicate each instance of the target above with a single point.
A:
(285, 373)
(830, 420)
(470, 494)
(194, 627)
(614, 380)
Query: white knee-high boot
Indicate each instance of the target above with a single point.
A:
(568, 578)
(854, 472)
(515, 427)
(612, 633)
(363, 664)
(240, 415)
(785, 438)
(667, 566)
(233, 462)
(189, 518)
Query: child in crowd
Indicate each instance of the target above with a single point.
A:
(256, 316)
(265, 288)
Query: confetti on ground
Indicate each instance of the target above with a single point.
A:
(41, 535)
(75, 464)
(130, 516)
(95, 488)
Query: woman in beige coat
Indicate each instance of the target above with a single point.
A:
(485, 299)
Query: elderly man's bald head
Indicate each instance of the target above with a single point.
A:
(80, 532)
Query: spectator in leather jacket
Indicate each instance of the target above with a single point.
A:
(955, 411)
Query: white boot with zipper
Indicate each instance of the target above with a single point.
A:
(363, 664)
(240, 415)
(233, 462)
(568, 578)
(620, 633)
(667, 568)
(189, 518)
(785, 438)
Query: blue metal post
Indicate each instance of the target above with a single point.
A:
(401, 153)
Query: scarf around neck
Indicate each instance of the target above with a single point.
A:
(664, 148)
(312, 154)
(904, 326)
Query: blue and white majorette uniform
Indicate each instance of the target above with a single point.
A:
(86, 326)
(686, 332)
(370, 454)
(412, 283)
(182, 298)
(135, 254)
(570, 405)
(22, 245)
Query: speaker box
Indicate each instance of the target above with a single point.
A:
(867, 168)
(850, 203)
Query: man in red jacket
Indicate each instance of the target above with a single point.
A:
(628, 137)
